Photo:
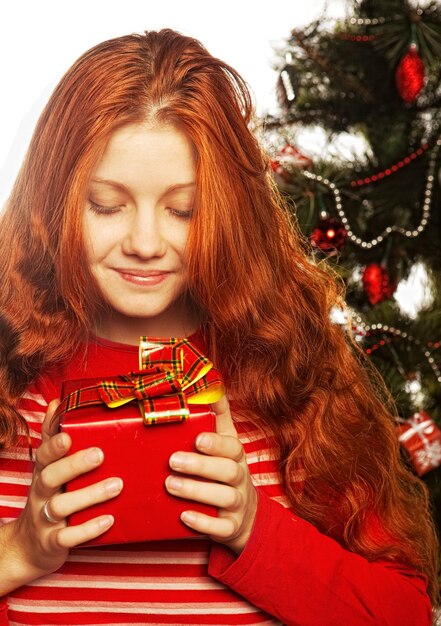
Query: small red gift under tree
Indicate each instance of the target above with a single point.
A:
(374, 75)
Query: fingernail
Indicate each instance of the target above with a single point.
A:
(114, 486)
(106, 522)
(94, 456)
(203, 441)
(174, 483)
(188, 517)
(177, 461)
(61, 441)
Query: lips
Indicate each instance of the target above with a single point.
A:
(146, 278)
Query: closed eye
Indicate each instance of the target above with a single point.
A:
(182, 214)
(103, 210)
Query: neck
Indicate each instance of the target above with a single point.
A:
(128, 330)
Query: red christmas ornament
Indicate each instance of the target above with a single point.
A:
(294, 157)
(291, 156)
(329, 234)
(377, 283)
(410, 74)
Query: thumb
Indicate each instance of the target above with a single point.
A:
(224, 421)
(49, 428)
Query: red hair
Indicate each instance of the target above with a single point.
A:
(266, 306)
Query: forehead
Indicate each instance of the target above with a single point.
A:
(137, 154)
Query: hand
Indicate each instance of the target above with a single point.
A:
(222, 462)
(45, 545)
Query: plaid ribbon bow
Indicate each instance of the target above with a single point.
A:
(172, 375)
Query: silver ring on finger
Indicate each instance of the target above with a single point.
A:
(46, 515)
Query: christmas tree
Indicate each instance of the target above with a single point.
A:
(374, 215)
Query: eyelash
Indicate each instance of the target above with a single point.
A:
(183, 215)
(103, 210)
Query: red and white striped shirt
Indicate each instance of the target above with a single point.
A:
(151, 583)
(288, 569)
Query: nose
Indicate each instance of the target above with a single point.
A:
(144, 235)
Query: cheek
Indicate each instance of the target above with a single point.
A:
(87, 236)
(98, 238)
(180, 239)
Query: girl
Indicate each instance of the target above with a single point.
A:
(145, 207)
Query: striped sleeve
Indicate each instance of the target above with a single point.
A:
(16, 466)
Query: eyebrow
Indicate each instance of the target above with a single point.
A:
(113, 183)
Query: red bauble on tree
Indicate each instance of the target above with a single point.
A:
(329, 234)
(410, 75)
(377, 283)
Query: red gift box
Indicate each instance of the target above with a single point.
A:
(139, 419)
(422, 439)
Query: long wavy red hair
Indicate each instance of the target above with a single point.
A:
(266, 306)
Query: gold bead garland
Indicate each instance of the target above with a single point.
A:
(428, 193)
(361, 328)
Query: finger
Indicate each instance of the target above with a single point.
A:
(48, 517)
(220, 445)
(224, 470)
(71, 536)
(64, 504)
(52, 450)
(217, 528)
(216, 494)
(55, 474)
(50, 426)
(224, 421)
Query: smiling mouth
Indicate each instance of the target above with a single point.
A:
(143, 277)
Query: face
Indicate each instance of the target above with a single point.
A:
(135, 226)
